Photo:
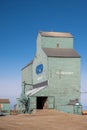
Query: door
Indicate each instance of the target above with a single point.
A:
(42, 102)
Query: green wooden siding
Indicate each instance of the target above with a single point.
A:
(63, 75)
(5, 108)
(51, 42)
(40, 58)
(27, 76)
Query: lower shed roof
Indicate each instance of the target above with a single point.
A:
(61, 52)
(4, 101)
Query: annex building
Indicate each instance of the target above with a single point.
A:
(4, 106)
(52, 79)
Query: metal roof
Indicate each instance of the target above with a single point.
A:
(4, 101)
(61, 52)
(37, 87)
(56, 34)
(34, 91)
(40, 84)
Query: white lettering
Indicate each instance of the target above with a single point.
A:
(64, 73)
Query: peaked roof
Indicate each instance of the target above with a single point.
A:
(4, 101)
(56, 34)
(61, 52)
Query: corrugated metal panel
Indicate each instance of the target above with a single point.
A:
(56, 34)
(35, 90)
(41, 84)
(61, 52)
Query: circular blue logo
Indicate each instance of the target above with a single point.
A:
(39, 69)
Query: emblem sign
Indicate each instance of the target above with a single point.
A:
(39, 69)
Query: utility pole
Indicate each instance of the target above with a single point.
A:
(27, 100)
(25, 85)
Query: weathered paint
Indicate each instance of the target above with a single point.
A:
(51, 42)
(63, 75)
(5, 108)
(27, 77)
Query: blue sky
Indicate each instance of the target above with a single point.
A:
(21, 20)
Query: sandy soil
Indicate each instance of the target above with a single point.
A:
(44, 120)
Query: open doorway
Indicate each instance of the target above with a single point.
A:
(42, 102)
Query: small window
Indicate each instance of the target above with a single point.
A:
(57, 45)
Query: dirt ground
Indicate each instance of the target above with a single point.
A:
(44, 120)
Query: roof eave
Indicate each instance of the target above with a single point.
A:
(66, 56)
(27, 65)
(49, 34)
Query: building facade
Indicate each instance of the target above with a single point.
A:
(52, 79)
(5, 106)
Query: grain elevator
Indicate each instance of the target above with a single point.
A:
(52, 79)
